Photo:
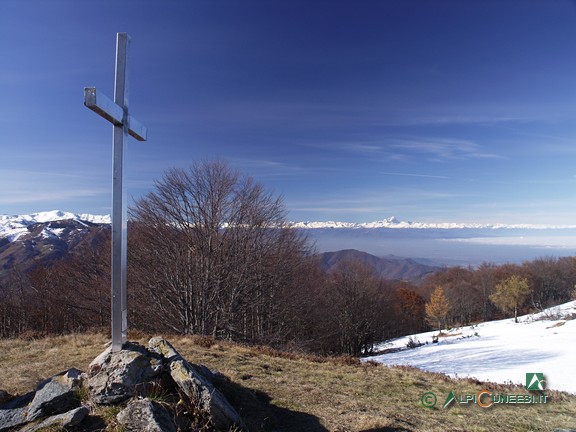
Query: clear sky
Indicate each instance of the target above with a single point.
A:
(432, 111)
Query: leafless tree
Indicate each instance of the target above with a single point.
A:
(356, 306)
(15, 314)
(552, 278)
(211, 249)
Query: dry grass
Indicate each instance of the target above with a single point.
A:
(26, 361)
(449, 335)
(297, 392)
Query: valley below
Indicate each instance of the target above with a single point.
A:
(451, 246)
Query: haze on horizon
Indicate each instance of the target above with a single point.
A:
(462, 245)
(443, 111)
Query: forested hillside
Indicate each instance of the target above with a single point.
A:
(211, 253)
(388, 267)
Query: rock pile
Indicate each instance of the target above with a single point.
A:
(159, 390)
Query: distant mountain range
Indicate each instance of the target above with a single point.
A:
(43, 238)
(39, 238)
(389, 267)
(13, 226)
(392, 222)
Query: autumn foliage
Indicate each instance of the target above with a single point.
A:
(210, 253)
(437, 308)
(511, 294)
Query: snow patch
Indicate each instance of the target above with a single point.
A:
(498, 351)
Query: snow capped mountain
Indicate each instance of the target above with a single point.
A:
(39, 239)
(13, 227)
(392, 222)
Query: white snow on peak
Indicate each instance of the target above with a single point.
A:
(499, 351)
(50, 216)
(14, 226)
(393, 222)
(97, 219)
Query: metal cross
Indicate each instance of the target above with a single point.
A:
(117, 113)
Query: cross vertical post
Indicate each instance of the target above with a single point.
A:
(119, 224)
(117, 113)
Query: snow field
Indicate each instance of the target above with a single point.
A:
(499, 351)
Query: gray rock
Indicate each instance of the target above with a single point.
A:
(197, 387)
(53, 396)
(12, 417)
(145, 416)
(204, 371)
(64, 421)
(113, 377)
(56, 395)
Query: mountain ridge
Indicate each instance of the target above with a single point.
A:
(390, 267)
(13, 225)
(43, 238)
(394, 223)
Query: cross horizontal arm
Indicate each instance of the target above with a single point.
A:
(105, 107)
(136, 129)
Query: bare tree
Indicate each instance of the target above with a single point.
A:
(409, 311)
(15, 312)
(552, 280)
(356, 304)
(211, 249)
(485, 281)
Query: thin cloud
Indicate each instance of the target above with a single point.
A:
(443, 149)
(415, 175)
(266, 167)
(346, 146)
(455, 120)
(498, 113)
(339, 210)
(29, 186)
(359, 148)
(30, 195)
(369, 201)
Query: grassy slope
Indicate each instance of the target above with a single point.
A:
(275, 391)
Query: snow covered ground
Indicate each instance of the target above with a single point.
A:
(500, 351)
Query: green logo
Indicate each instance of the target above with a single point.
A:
(428, 399)
(449, 399)
(535, 381)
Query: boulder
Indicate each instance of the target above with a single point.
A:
(197, 387)
(55, 395)
(135, 372)
(63, 421)
(145, 416)
(113, 376)
(13, 412)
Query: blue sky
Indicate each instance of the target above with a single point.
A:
(432, 111)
